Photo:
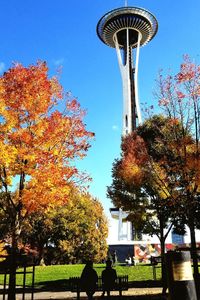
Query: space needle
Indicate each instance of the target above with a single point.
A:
(127, 29)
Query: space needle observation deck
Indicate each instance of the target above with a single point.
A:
(125, 29)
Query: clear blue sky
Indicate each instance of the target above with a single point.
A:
(63, 32)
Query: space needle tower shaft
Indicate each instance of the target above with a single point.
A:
(127, 29)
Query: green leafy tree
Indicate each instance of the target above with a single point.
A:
(74, 232)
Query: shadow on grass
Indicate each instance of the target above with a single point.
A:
(46, 286)
(52, 286)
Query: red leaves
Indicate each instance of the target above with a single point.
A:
(28, 91)
(187, 70)
(164, 102)
(133, 145)
(134, 159)
(180, 95)
(73, 105)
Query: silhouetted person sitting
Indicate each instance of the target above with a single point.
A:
(89, 279)
(109, 277)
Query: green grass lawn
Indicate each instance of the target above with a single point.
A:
(57, 274)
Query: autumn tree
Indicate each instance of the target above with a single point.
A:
(179, 97)
(140, 186)
(173, 161)
(74, 232)
(38, 143)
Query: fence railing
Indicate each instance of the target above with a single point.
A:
(24, 265)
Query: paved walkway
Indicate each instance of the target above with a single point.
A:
(134, 293)
(68, 295)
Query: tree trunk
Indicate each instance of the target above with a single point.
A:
(163, 264)
(194, 254)
(41, 255)
(12, 271)
(13, 259)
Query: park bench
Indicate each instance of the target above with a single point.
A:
(155, 263)
(121, 284)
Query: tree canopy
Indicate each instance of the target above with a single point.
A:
(42, 135)
(162, 159)
(162, 156)
(74, 232)
(38, 142)
(139, 185)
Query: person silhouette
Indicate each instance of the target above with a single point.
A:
(109, 276)
(128, 260)
(114, 257)
(89, 279)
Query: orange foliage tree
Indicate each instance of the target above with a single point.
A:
(38, 142)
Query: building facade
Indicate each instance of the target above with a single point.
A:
(121, 239)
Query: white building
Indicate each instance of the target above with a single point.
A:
(121, 239)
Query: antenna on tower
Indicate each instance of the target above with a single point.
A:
(126, 2)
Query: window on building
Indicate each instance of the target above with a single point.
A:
(126, 121)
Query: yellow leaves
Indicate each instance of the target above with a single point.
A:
(56, 88)
(8, 154)
(163, 192)
(2, 107)
(160, 181)
(3, 252)
(47, 186)
(130, 172)
(66, 246)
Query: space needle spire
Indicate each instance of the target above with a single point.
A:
(127, 29)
